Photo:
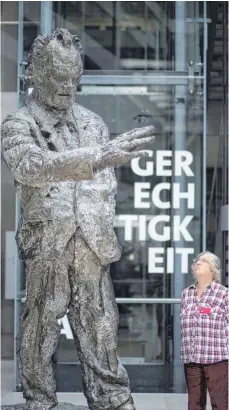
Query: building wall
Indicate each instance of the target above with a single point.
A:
(9, 43)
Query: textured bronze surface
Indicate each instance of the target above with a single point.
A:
(60, 406)
(63, 165)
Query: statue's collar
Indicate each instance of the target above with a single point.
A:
(43, 114)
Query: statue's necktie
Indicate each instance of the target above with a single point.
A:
(62, 136)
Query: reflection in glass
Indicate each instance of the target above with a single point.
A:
(131, 35)
(32, 18)
(141, 333)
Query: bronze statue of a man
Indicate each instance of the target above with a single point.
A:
(63, 165)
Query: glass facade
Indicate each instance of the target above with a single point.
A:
(146, 63)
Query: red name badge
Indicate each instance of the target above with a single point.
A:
(205, 310)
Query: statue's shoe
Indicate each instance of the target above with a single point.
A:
(127, 405)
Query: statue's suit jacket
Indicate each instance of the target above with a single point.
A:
(42, 166)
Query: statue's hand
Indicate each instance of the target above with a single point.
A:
(124, 148)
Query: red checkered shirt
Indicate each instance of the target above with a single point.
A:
(204, 337)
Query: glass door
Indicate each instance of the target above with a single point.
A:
(145, 63)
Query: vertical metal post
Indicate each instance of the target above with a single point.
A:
(18, 272)
(117, 34)
(225, 104)
(46, 17)
(180, 144)
(225, 140)
(204, 151)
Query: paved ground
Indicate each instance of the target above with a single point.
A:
(143, 401)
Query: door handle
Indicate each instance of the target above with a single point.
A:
(194, 81)
(191, 82)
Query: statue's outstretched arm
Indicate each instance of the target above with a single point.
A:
(33, 166)
(30, 165)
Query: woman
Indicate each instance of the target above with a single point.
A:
(204, 335)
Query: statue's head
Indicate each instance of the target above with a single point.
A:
(55, 67)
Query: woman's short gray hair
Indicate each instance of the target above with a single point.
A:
(214, 265)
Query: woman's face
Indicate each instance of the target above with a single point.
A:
(203, 267)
